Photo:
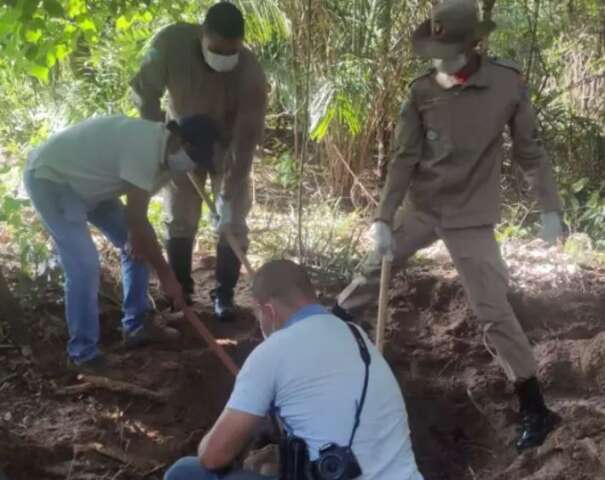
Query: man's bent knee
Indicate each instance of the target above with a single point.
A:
(189, 468)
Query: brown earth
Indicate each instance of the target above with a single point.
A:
(461, 409)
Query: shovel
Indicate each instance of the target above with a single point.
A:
(383, 299)
(203, 332)
(235, 246)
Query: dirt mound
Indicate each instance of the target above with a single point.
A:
(461, 409)
(62, 428)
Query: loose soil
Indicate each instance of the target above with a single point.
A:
(460, 406)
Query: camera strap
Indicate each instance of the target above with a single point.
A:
(365, 357)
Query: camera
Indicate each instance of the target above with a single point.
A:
(336, 463)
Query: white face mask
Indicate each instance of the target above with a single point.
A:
(180, 161)
(219, 63)
(450, 65)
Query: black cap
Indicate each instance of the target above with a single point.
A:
(200, 132)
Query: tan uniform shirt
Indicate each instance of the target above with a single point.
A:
(448, 148)
(235, 100)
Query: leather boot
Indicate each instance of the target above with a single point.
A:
(180, 257)
(537, 421)
(227, 274)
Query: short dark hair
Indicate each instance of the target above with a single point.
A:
(225, 19)
(281, 280)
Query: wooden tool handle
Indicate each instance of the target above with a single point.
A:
(383, 301)
(203, 332)
(233, 243)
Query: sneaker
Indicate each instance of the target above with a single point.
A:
(150, 333)
(97, 366)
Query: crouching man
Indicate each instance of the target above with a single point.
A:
(324, 381)
(76, 178)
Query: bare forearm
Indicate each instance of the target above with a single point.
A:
(214, 461)
(146, 243)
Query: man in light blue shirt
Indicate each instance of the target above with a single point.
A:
(309, 372)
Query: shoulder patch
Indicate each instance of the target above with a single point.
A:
(502, 62)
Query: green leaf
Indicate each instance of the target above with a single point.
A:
(9, 21)
(87, 25)
(578, 186)
(53, 8)
(32, 36)
(75, 8)
(122, 23)
(51, 59)
(320, 129)
(38, 71)
(61, 51)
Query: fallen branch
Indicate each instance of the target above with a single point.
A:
(138, 463)
(94, 382)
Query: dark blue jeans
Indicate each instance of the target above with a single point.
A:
(189, 468)
(66, 217)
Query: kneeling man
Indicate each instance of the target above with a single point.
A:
(322, 378)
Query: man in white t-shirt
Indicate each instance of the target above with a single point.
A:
(310, 373)
(75, 178)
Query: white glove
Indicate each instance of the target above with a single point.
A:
(383, 239)
(224, 214)
(552, 227)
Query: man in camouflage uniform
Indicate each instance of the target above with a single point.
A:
(206, 70)
(446, 163)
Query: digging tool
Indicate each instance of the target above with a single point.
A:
(235, 246)
(203, 332)
(383, 300)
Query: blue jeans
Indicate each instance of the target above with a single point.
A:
(189, 468)
(66, 217)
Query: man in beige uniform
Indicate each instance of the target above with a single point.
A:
(207, 70)
(446, 162)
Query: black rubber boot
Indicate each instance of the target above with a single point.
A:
(537, 421)
(227, 274)
(180, 257)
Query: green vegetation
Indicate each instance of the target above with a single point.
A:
(338, 71)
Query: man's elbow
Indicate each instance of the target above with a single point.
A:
(215, 460)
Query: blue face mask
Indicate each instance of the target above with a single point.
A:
(180, 162)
